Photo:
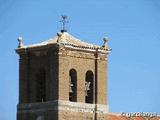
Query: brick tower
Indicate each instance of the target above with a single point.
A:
(62, 78)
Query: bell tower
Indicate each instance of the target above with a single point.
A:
(62, 78)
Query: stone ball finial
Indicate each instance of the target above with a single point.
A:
(105, 40)
(59, 34)
(20, 39)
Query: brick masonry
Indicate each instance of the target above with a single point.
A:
(57, 60)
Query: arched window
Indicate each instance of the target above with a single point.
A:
(89, 89)
(73, 85)
(41, 86)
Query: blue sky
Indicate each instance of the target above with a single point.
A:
(133, 28)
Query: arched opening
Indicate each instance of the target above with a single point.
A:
(73, 85)
(89, 89)
(41, 86)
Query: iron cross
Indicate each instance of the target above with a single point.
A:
(64, 21)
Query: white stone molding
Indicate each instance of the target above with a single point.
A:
(61, 105)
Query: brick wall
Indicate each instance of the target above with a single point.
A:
(57, 62)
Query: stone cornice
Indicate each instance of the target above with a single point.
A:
(86, 48)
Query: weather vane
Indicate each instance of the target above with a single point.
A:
(64, 21)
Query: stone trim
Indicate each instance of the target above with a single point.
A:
(82, 107)
(84, 48)
(61, 105)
